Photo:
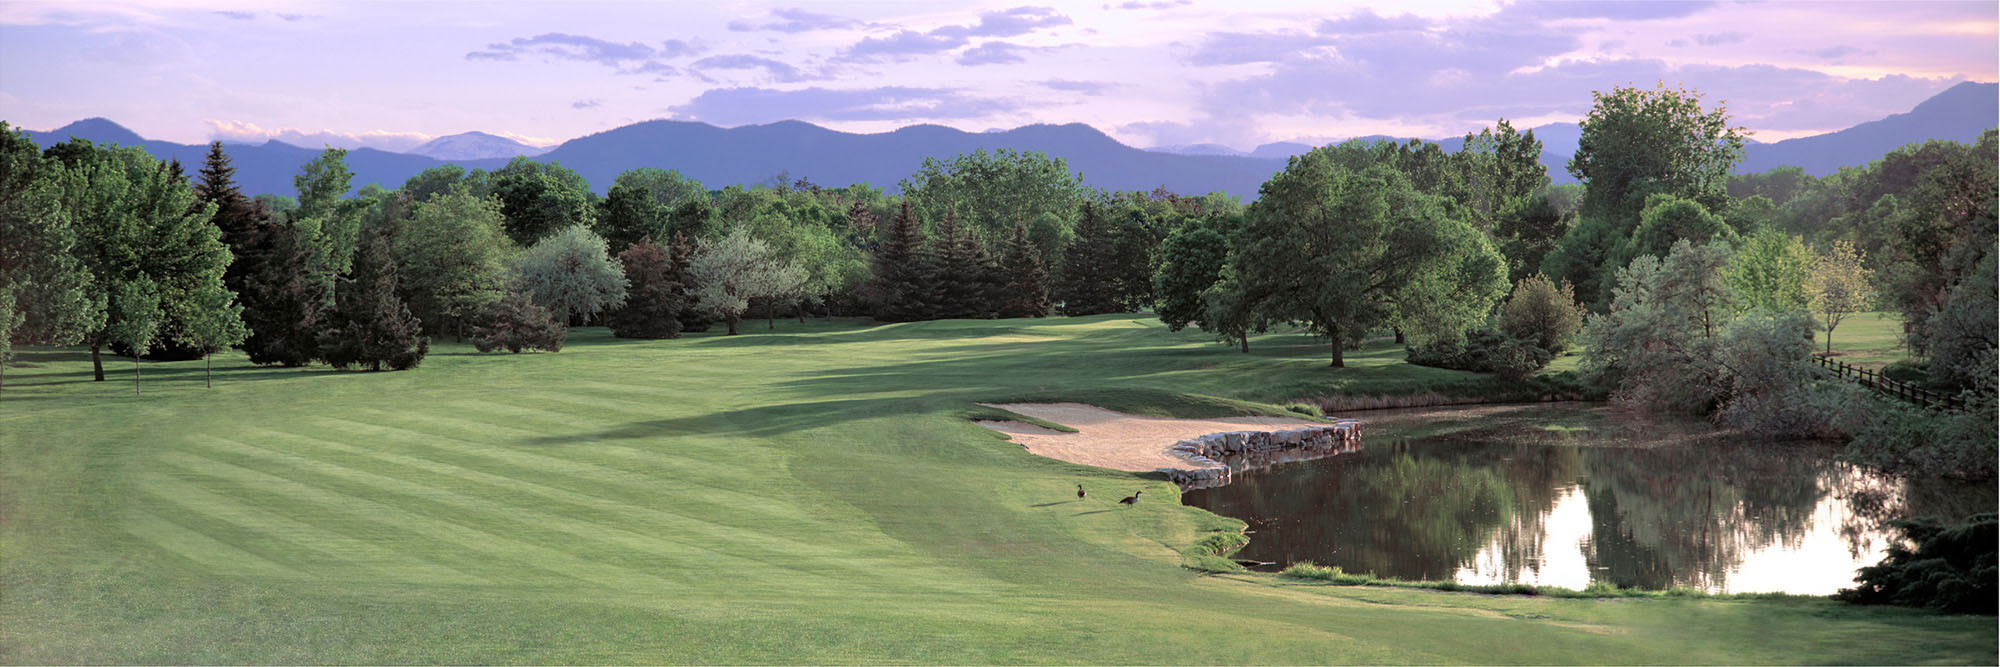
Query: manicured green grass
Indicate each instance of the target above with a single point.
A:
(1870, 340)
(810, 495)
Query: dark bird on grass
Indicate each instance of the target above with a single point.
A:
(1079, 492)
(1131, 499)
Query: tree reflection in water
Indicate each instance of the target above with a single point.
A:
(1567, 494)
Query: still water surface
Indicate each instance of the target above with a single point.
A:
(1569, 494)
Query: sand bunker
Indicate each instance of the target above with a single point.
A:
(1117, 440)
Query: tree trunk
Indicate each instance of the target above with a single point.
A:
(732, 323)
(1399, 336)
(1829, 341)
(97, 362)
(207, 372)
(1243, 339)
(1339, 361)
(135, 373)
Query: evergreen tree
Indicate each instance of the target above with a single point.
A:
(243, 222)
(902, 288)
(962, 272)
(1025, 284)
(654, 300)
(517, 323)
(1089, 283)
(369, 325)
(283, 302)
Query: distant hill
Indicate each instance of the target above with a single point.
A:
(755, 154)
(1960, 113)
(474, 146)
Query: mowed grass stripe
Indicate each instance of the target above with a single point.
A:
(841, 550)
(715, 535)
(208, 553)
(450, 435)
(364, 556)
(668, 549)
(583, 421)
(503, 549)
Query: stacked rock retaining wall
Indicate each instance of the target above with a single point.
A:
(1212, 457)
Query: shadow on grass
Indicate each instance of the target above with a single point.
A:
(754, 422)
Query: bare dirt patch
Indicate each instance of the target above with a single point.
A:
(1116, 440)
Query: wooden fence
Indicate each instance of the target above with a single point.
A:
(1875, 380)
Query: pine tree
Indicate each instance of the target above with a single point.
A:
(654, 300)
(283, 301)
(902, 276)
(243, 222)
(1089, 285)
(369, 325)
(962, 272)
(1023, 283)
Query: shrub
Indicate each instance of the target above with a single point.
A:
(1306, 409)
(1952, 568)
(515, 323)
(1539, 311)
(1484, 351)
(1330, 574)
(1908, 372)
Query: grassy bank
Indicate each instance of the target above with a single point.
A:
(814, 494)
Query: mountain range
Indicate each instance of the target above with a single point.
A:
(760, 153)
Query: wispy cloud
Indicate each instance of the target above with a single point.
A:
(796, 20)
(908, 43)
(586, 104)
(780, 72)
(739, 106)
(560, 46)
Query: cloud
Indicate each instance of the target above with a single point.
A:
(586, 104)
(677, 48)
(743, 106)
(1836, 52)
(1617, 10)
(560, 46)
(796, 20)
(905, 44)
(1237, 48)
(1085, 87)
(235, 131)
(1161, 4)
(779, 71)
(1720, 38)
(1366, 22)
(239, 16)
(1010, 22)
(993, 53)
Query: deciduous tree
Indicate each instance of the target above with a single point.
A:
(569, 272)
(1839, 286)
(654, 300)
(731, 271)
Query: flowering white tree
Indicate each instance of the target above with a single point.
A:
(730, 271)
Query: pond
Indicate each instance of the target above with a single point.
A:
(1568, 494)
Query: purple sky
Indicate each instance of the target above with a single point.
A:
(1238, 73)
